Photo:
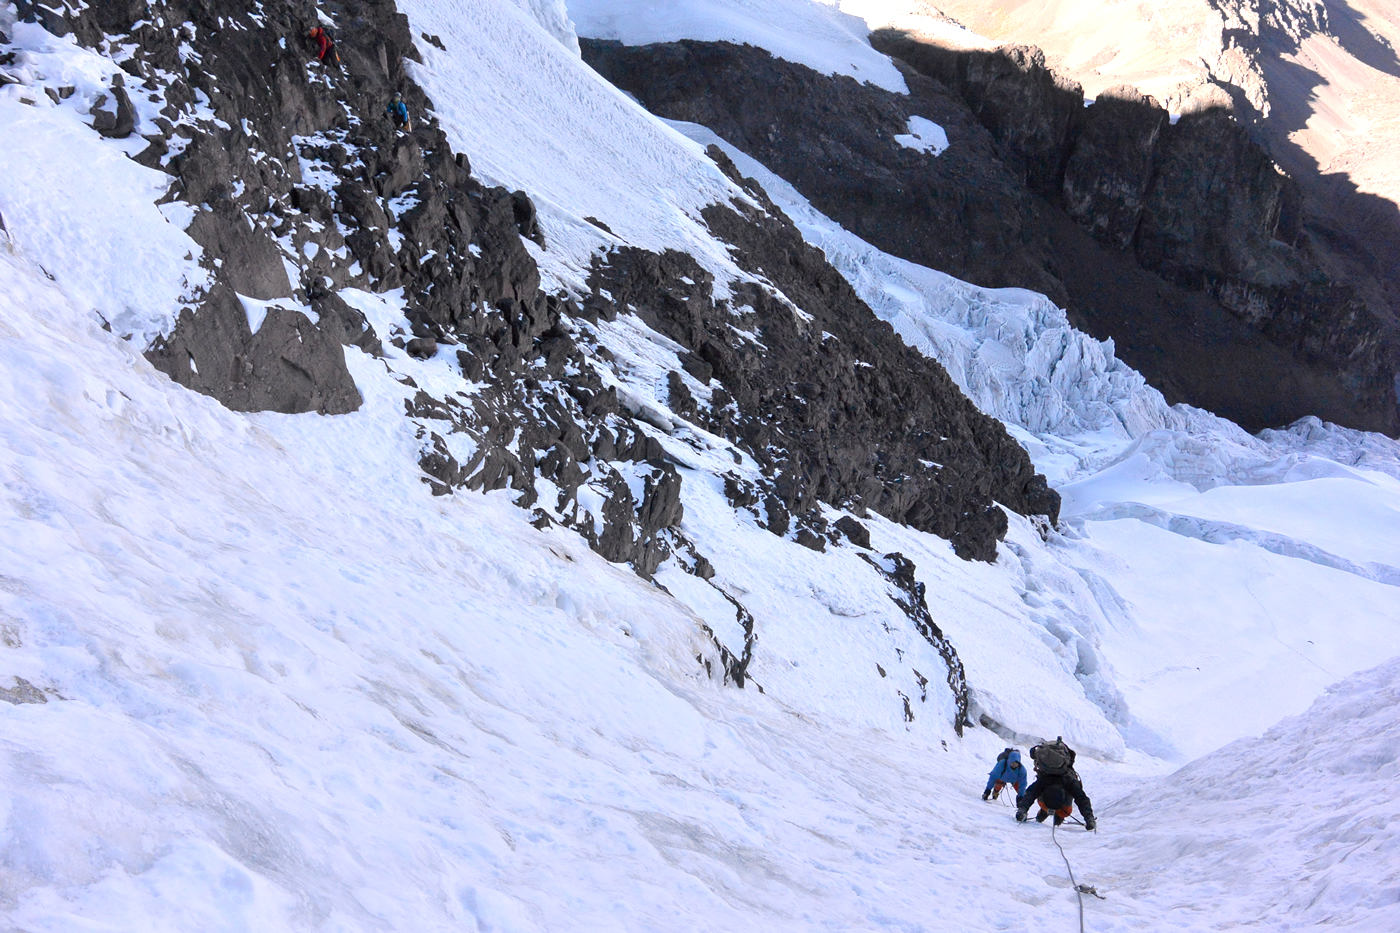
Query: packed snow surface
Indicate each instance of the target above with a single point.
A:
(295, 692)
(531, 115)
(1307, 809)
(256, 677)
(78, 202)
(817, 34)
(924, 136)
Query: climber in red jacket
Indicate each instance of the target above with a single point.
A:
(325, 46)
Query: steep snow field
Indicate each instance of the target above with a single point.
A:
(260, 679)
(1307, 807)
(285, 688)
(292, 691)
(531, 115)
(75, 200)
(819, 34)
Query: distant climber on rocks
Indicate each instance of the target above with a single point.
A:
(325, 46)
(397, 111)
(1056, 787)
(1008, 770)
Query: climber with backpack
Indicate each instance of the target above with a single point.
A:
(1008, 770)
(397, 112)
(325, 46)
(1056, 787)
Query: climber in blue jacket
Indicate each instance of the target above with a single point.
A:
(397, 111)
(1008, 770)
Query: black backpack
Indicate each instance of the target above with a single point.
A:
(1005, 753)
(1054, 758)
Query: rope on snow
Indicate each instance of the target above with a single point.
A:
(1079, 889)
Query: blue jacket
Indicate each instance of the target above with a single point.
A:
(1007, 774)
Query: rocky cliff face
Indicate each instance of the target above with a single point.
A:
(299, 188)
(833, 138)
(1182, 242)
(823, 420)
(1108, 175)
(1192, 198)
(302, 194)
(1200, 204)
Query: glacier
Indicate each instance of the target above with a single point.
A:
(256, 677)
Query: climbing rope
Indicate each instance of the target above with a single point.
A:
(1079, 889)
(1077, 893)
(1007, 797)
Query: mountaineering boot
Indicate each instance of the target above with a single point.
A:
(1059, 819)
(1020, 816)
(986, 794)
(1040, 817)
(1089, 824)
(996, 794)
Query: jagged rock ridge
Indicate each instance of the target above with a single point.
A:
(824, 421)
(304, 197)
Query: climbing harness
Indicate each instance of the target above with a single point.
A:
(1079, 889)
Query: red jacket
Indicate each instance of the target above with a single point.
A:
(323, 42)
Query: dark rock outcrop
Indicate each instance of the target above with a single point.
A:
(852, 428)
(289, 365)
(833, 138)
(298, 169)
(1031, 112)
(858, 534)
(1214, 206)
(300, 189)
(909, 595)
(1035, 185)
(802, 397)
(1108, 174)
(250, 262)
(118, 121)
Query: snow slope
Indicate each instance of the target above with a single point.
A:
(1293, 830)
(78, 202)
(532, 116)
(258, 678)
(817, 33)
(265, 682)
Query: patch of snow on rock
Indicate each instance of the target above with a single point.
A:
(925, 136)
